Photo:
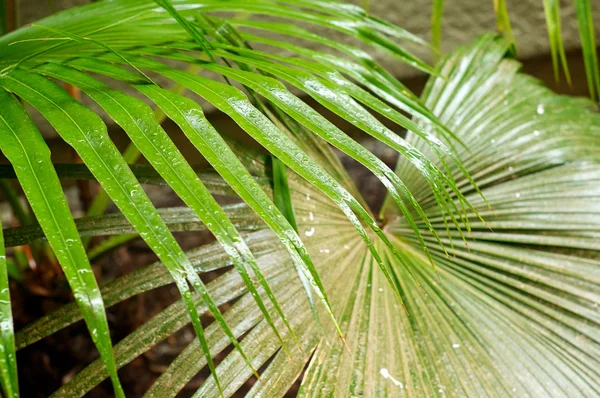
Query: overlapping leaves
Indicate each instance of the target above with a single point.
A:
(523, 292)
(515, 312)
(128, 41)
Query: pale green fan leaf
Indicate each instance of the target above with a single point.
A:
(522, 290)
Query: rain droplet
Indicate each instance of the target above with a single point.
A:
(309, 232)
(540, 109)
(455, 345)
(493, 141)
(307, 197)
(517, 195)
(311, 216)
(536, 133)
(386, 375)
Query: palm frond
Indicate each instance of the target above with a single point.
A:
(503, 23)
(436, 26)
(522, 289)
(519, 301)
(129, 41)
(514, 313)
(8, 363)
(23, 145)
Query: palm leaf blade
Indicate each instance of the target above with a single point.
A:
(518, 295)
(50, 206)
(585, 23)
(521, 296)
(80, 129)
(138, 121)
(8, 364)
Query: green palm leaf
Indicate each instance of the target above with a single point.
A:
(436, 26)
(23, 145)
(36, 51)
(137, 120)
(8, 363)
(585, 23)
(557, 49)
(523, 294)
(503, 22)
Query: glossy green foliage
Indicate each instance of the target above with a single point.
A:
(515, 311)
(587, 32)
(8, 355)
(120, 41)
(302, 260)
(24, 147)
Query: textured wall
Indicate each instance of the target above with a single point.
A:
(464, 19)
